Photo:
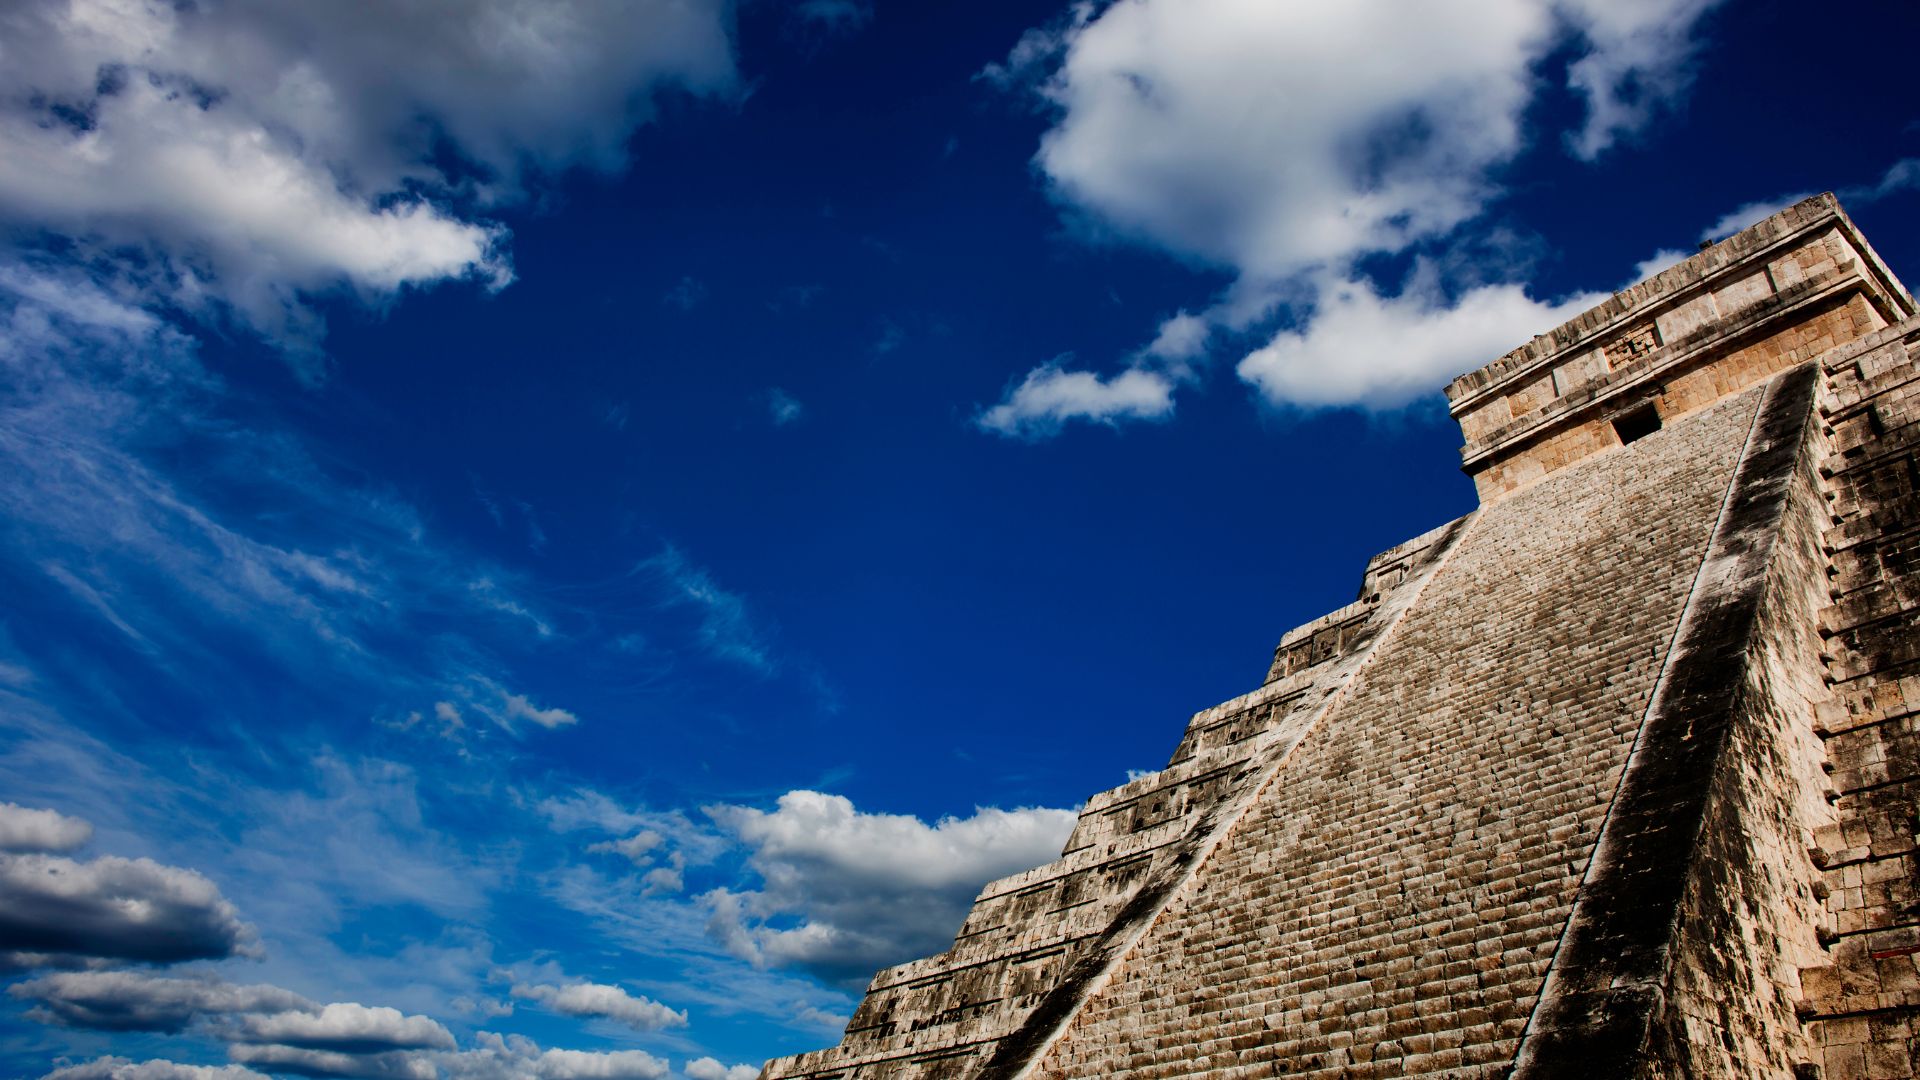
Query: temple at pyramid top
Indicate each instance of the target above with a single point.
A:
(1742, 310)
(1615, 776)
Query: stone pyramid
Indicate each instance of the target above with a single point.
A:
(1612, 777)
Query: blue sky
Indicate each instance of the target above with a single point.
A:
(550, 540)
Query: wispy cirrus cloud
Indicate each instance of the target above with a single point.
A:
(1902, 176)
(641, 834)
(783, 408)
(123, 474)
(686, 294)
(834, 16)
(726, 629)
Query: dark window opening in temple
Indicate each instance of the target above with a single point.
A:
(1637, 424)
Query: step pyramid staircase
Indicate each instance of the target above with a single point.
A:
(1613, 776)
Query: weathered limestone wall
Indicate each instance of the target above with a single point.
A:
(1750, 918)
(1863, 998)
(1389, 905)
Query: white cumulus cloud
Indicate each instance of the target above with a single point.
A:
(707, 1068)
(159, 168)
(391, 1065)
(1655, 263)
(1360, 348)
(599, 999)
(515, 1057)
(125, 1000)
(115, 908)
(866, 890)
(1051, 396)
(25, 829)
(1285, 142)
(1272, 137)
(119, 1068)
(344, 1027)
(637, 848)
(259, 154)
(277, 1031)
(598, 1065)
(518, 707)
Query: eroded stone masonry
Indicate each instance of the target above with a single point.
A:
(1612, 777)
